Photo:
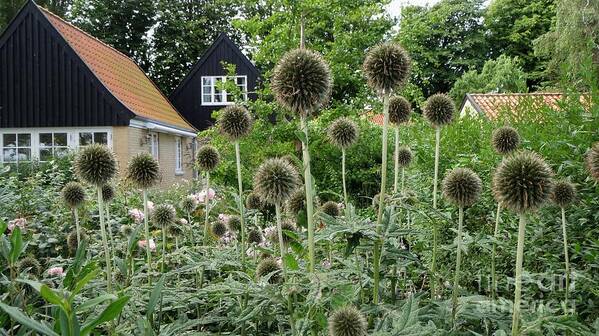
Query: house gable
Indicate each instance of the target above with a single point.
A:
(44, 83)
(187, 97)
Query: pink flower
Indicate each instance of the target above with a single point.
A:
(18, 222)
(56, 271)
(150, 206)
(137, 215)
(142, 244)
(201, 196)
(223, 218)
(183, 221)
(227, 238)
(326, 264)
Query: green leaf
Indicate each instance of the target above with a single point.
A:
(111, 312)
(301, 136)
(95, 301)
(290, 262)
(51, 297)
(3, 226)
(16, 243)
(154, 297)
(27, 321)
(81, 283)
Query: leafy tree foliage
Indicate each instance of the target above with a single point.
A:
(513, 25)
(504, 74)
(123, 24)
(9, 8)
(444, 41)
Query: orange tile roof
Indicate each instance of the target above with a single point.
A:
(378, 119)
(121, 75)
(491, 104)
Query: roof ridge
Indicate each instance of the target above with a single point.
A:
(518, 94)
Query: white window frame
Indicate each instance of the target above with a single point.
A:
(72, 138)
(223, 94)
(52, 147)
(154, 145)
(178, 156)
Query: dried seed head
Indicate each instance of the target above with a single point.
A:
(73, 194)
(275, 181)
(219, 229)
(95, 164)
(234, 223)
(164, 215)
(343, 132)
(30, 265)
(72, 243)
(235, 122)
(107, 192)
(505, 140)
(207, 158)
(287, 226)
(254, 237)
(404, 156)
(462, 187)
(522, 182)
(301, 81)
(592, 161)
(439, 109)
(386, 67)
(268, 266)
(143, 170)
(347, 321)
(331, 208)
(188, 204)
(126, 230)
(399, 110)
(254, 202)
(297, 201)
(564, 193)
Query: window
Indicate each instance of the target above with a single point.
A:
(178, 156)
(88, 138)
(16, 147)
(213, 93)
(154, 146)
(52, 145)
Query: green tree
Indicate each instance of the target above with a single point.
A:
(513, 25)
(501, 75)
(123, 24)
(444, 41)
(9, 8)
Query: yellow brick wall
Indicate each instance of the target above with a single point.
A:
(128, 141)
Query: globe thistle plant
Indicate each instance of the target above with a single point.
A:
(343, 133)
(592, 161)
(254, 202)
(219, 229)
(73, 195)
(331, 208)
(188, 205)
(30, 265)
(461, 187)
(269, 266)
(234, 223)
(290, 227)
(107, 196)
(563, 195)
(164, 216)
(399, 113)
(522, 183)
(126, 230)
(107, 192)
(505, 140)
(96, 164)
(74, 239)
(347, 321)
(403, 158)
(255, 237)
(207, 159)
(297, 201)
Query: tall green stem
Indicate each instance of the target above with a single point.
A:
(109, 228)
(518, 279)
(76, 214)
(241, 210)
(206, 203)
(105, 241)
(403, 178)
(566, 258)
(493, 254)
(309, 196)
(163, 248)
(435, 182)
(343, 176)
(280, 234)
(147, 232)
(379, 241)
(458, 262)
(396, 158)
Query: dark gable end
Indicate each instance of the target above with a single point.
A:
(187, 97)
(44, 83)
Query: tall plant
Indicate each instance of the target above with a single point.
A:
(143, 171)
(108, 195)
(301, 83)
(399, 113)
(235, 122)
(462, 187)
(207, 159)
(96, 165)
(592, 161)
(386, 68)
(343, 133)
(73, 195)
(522, 183)
(439, 110)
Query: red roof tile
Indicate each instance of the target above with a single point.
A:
(491, 104)
(121, 75)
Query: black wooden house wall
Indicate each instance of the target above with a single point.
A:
(187, 97)
(44, 83)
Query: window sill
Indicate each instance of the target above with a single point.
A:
(179, 173)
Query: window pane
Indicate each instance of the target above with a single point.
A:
(10, 154)
(207, 98)
(206, 81)
(45, 139)
(61, 152)
(45, 154)
(101, 138)
(85, 139)
(207, 89)
(24, 154)
(230, 97)
(60, 139)
(240, 81)
(10, 140)
(24, 140)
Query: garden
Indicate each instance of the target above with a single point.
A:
(308, 218)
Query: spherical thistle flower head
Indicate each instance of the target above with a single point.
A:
(219, 229)
(73, 194)
(297, 201)
(72, 243)
(399, 110)
(439, 109)
(235, 122)
(331, 208)
(107, 192)
(234, 223)
(254, 237)
(292, 159)
(30, 265)
(462, 187)
(523, 182)
(253, 202)
(164, 215)
(95, 164)
(287, 226)
(347, 321)
(188, 204)
(592, 161)
(267, 266)
(343, 132)
(564, 193)
(126, 230)
(505, 140)
(404, 156)
(143, 170)
(301, 81)
(386, 67)
(275, 181)
(207, 158)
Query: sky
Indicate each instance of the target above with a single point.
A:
(395, 5)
